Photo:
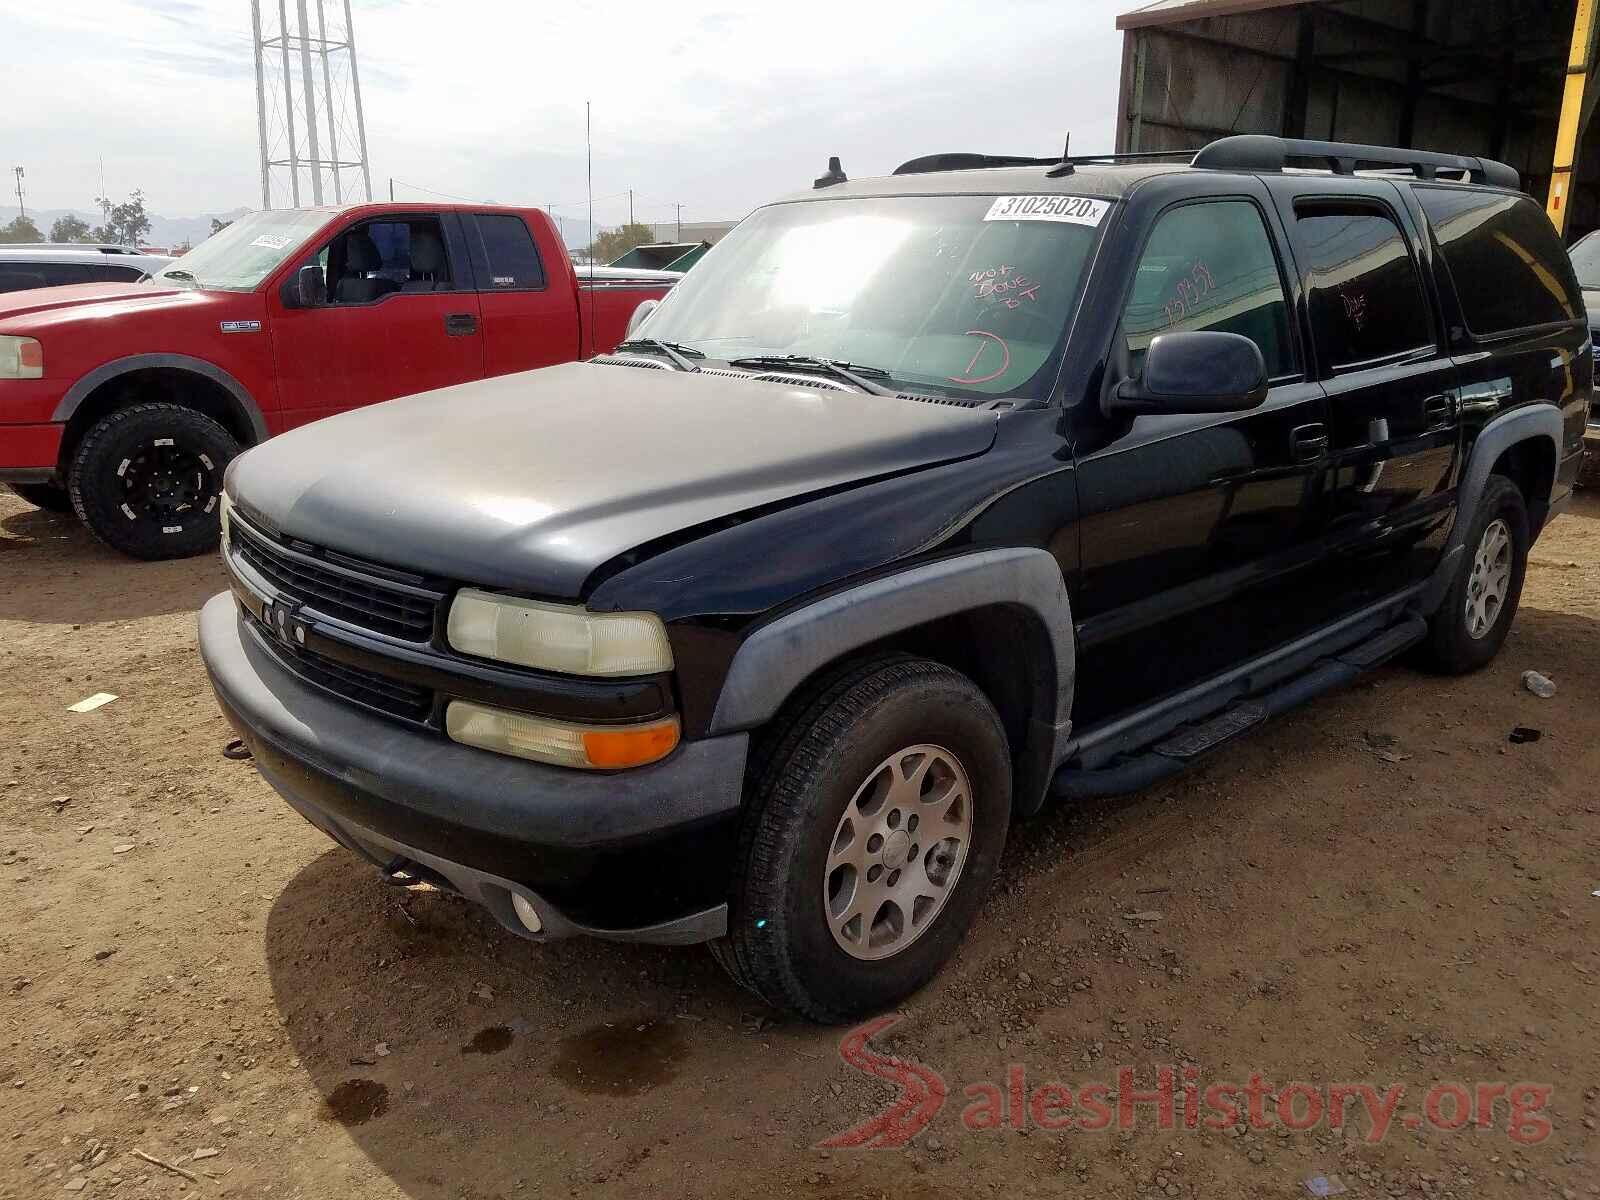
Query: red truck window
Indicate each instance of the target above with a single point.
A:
(507, 247)
(380, 257)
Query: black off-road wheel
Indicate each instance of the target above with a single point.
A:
(874, 831)
(1472, 623)
(51, 497)
(147, 480)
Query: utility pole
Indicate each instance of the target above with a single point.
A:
(21, 208)
(630, 206)
(680, 222)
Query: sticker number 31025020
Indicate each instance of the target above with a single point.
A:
(1074, 210)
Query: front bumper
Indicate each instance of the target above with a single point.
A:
(29, 453)
(638, 855)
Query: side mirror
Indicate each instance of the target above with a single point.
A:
(640, 315)
(305, 288)
(1199, 372)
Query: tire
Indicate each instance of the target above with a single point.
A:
(838, 750)
(147, 480)
(1467, 632)
(51, 497)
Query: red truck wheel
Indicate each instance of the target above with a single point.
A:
(147, 480)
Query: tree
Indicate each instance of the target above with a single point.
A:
(218, 225)
(69, 229)
(21, 229)
(614, 243)
(125, 223)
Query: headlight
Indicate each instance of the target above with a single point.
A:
(20, 358)
(605, 747)
(555, 637)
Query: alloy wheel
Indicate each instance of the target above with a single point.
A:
(897, 852)
(1490, 581)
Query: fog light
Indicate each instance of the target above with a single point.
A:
(526, 913)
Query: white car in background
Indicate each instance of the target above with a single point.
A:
(55, 264)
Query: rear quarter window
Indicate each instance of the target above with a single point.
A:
(1505, 260)
(508, 248)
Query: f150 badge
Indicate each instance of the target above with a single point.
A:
(241, 327)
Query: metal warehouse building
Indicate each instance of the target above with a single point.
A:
(1510, 79)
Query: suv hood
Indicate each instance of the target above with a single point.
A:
(531, 481)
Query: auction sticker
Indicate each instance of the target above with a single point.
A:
(1073, 210)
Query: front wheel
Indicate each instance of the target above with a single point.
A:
(147, 480)
(873, 835)
(1476, 615)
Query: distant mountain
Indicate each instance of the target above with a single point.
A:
(164, 231)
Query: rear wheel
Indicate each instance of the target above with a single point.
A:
(51, 497)
(1477, 612)
(873, 835)
(147, 480)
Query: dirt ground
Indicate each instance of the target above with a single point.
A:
(1379, 889)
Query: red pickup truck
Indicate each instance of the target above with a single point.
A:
(125, 402)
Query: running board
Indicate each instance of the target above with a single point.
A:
(1192, 741)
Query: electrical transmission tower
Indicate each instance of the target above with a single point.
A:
(308, 105)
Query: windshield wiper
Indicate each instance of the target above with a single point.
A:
(676, 351)
(852, 373)
(177, 274)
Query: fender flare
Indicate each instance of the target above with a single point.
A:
(1540, 420)
(779, 656)
(106, 372)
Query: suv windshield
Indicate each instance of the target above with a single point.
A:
(1586, 262)
(962, 294)
(239, 257)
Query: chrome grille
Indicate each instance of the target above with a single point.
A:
(364, 600)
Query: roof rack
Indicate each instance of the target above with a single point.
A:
(974, 162)
(1262, 152)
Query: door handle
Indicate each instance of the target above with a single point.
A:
(1439, 410)
(1309, 442)
(460, 324)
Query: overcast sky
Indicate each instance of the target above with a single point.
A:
(717, 106)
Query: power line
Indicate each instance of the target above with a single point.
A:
(417, 187)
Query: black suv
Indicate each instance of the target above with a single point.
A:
(920, 501)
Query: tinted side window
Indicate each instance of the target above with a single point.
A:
(1505, 260)
(18, 277)
(58, 274)
(509, 250)
(1211, 267)
(111, 274)
(1366, 296)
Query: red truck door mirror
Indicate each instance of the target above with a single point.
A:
(305, 288)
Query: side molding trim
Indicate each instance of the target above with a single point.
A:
(179, 362)
(779, 656)
(1499, 435)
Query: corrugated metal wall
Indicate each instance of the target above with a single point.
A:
(1486, 76)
